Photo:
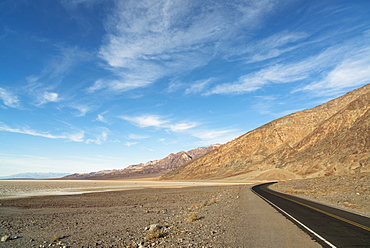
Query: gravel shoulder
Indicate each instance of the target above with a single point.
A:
(211, 216)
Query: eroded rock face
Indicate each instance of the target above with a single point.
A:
(330, 139)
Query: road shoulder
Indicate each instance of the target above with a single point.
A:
(260, 225)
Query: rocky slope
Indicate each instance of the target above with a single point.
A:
(330, 139)
(150, 169)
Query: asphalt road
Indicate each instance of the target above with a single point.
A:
(331, 227)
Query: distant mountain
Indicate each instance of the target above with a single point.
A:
(153, 168)
(330, 139)
(88, 175)
(35, 175)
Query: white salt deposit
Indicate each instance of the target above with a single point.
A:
(27, 188)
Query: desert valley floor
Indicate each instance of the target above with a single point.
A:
(195, 216)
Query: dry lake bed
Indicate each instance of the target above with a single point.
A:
(28, 188)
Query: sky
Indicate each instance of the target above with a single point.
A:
(89, 85)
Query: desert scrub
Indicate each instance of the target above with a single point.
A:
(212, 201)
(293, 191)
(192, 217)
(56, 237)
(204, 204)
(195, 207)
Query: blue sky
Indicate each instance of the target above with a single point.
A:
(87, 85)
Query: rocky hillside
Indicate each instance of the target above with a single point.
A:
(150, 169)
(330, 139)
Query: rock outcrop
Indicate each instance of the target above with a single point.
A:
(330, 139)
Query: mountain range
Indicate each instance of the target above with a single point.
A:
(330, 139)
(153, 168)
(35, 175)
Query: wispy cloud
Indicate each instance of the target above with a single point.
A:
(148, 40)
(247, 83)
(190, 129)
(280, 73)
(146, 120)
(96, 135)
(76, 136)
(8, 98)
(351, 72)
(340, 66)
(198, 86)
(82, 109)
(179, 127)
(270, 47)
(57, 68)
(49, 97)
(117, 86)
(159, 122)
(137, 137)
(100, 137)
(215, 136)
(42, 88)
(101, 118)
(129, 144)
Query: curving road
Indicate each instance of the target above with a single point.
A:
(331, 227)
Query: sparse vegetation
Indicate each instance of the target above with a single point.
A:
(192, 217)
(203, 204)
(196, 207)
(299, 191)
(56, 237)
(212, 201)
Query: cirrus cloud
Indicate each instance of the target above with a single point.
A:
(47, 97)
(146, 120)
(75, 136)
(149, 40)
(339, 67)
(193, 129)
(9, 99)
(353, 71)
(157, 121)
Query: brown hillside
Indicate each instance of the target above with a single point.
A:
(333, 138)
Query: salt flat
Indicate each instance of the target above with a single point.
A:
(27, 188)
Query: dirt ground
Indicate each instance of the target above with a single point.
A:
(119, 219)
(210, 216)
